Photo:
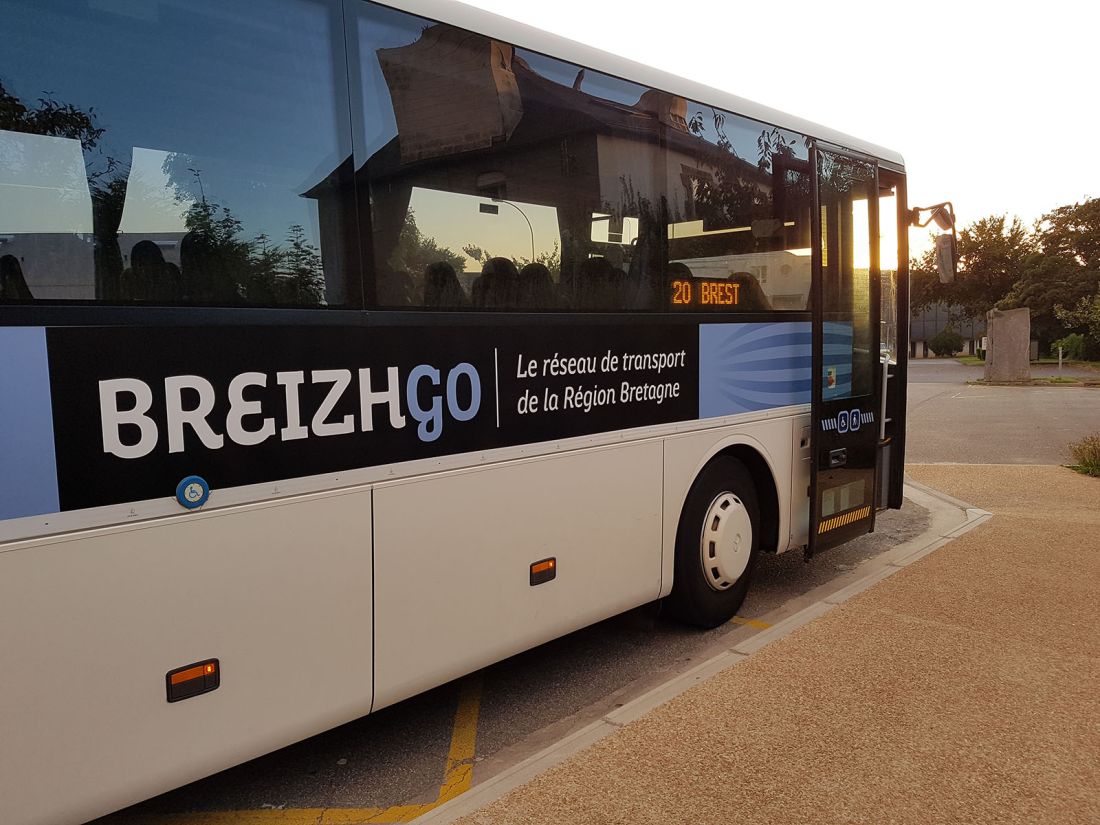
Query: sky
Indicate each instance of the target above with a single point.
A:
(994, 105)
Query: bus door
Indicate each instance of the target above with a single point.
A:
(893, 335)
(847, 377)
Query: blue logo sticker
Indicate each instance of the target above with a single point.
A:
(192, 492)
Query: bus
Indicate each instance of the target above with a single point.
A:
(349, 347)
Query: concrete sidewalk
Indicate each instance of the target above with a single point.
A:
(963, 689)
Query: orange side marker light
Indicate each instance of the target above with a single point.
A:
(544, 571)
(192, 680)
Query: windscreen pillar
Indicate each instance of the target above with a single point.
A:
(1008, 357)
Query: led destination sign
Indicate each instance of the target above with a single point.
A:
(700, 292)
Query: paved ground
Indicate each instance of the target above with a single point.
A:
(966, 688)
(951, 421)
(923, 370)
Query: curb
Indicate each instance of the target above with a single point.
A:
(1078, 382)
(951, 518)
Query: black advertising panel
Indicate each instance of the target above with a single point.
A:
(135, 410)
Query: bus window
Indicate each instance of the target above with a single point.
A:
(539, 184)
(198, 160)
(743, 239)
(851, 350)
(888, 257)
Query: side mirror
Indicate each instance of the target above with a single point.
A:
(945, 258)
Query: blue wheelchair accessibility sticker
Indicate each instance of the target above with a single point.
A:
(192, 492)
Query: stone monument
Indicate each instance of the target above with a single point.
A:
(1008, 356)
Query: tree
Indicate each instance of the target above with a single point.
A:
(993, 256)
(946, 343)
(925, 289)
(1061, 278)
(49, 117)
(1073, 232)
(304, 271)
(1085, 313)
(993, 252)
(551, 259)
(415, 251)
(106, 177)
(724, 196)
(1048, 283)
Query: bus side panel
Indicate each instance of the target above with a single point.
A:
(687, 454)
(90, 626)
(453, 558)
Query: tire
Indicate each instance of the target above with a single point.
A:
(712, 568)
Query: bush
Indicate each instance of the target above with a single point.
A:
(1073, 347)
(946, 343)
(1086, 453)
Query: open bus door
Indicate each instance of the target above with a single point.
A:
(847, 375)
(894, 219)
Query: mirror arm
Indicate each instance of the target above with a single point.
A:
(933, 210)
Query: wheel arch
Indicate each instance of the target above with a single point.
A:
(762, 451)
(767, 492)
(757, 459)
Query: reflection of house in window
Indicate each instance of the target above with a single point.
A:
(475, 119)
(504, 227)
(609, 229)
(46, 215)
(492, 185)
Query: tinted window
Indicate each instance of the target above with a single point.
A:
(740, 202)
(176, 152)
(848, 230)
(500, 178)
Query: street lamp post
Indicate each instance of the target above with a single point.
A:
(530, 228)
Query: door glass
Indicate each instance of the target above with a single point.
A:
(888, 258)
(850, 352)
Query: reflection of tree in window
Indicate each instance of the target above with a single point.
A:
(217, 264)
(51, 118)
(171, 105)
(415, 253)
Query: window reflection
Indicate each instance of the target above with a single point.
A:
(46, 227)
(846, 188)
(204, 153)
(180, 154)
(888, 258)
(545, 185)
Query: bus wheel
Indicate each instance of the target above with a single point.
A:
(716, 544)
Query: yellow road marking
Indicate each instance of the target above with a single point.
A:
(458, 776)
(741, 620)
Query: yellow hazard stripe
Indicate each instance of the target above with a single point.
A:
(843, 519)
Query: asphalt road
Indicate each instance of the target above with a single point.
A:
(951, 421)
(399, 757)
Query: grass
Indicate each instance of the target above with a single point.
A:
(1086, 453)
(1095, 365)
(975, 361)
